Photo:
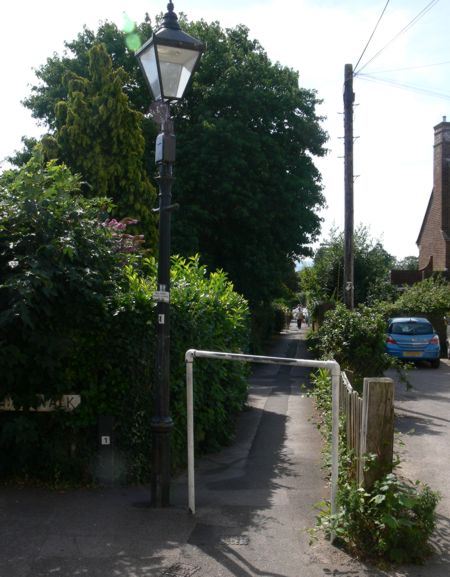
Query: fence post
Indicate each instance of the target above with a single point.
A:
(377, 429)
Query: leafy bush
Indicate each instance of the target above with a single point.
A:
(425, 297)
(58, 272)
(390, 522)
(324, 281)
(59, 277)
(355, 339)
(77, 316)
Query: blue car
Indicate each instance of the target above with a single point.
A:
(413, 339)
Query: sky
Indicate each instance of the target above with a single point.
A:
(406, 94)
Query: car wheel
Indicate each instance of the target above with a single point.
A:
(435, 363)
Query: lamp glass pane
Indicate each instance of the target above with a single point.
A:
(148, 61)
(176, 65)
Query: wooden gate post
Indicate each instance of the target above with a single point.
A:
(377, 429)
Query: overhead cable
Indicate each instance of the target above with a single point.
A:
(371, 36)
(405, 86)
(422, 13)
(373, 72)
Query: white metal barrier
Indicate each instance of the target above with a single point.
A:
(332, 366)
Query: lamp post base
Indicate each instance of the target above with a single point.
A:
(160, 476)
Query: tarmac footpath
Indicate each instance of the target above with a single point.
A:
(254, 503)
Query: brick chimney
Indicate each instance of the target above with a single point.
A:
(434, 237)
(442, 171)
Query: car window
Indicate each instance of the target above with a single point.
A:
(411, 328)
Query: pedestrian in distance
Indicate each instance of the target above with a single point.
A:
(305, 315)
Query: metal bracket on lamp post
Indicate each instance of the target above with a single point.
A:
(159, 111)
(174, 206)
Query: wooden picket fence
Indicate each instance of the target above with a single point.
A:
(369, 422)
(351, 406)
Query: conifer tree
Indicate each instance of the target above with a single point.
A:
(100, 137)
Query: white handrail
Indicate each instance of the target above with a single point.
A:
(332, 366)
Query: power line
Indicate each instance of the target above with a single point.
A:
(373, 72)
(405, 86)
(422, 13)
(371, 36)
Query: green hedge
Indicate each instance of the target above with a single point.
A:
(115, 378)
(77, 316)
(206, 314)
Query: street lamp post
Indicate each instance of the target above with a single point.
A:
(168, 60)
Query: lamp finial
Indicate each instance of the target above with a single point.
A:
(170, 18)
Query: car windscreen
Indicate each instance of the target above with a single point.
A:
(411, 328)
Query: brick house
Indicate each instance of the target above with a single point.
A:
(434, 236)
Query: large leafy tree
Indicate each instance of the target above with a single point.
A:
(248, 186)
(372, 263)
(247, 134)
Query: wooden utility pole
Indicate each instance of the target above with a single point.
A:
(349, 98)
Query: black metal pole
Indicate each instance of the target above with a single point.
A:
(162, 423)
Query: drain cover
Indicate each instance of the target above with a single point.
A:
(240, 540)
(213, 536)
(180, 570)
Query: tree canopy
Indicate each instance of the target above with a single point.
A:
(372, 263)
(248, 186)
(51, 88)
(247, 134)
(407, 263)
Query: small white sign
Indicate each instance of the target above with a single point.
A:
(106, 440)
(161, 319)
(161, 296)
